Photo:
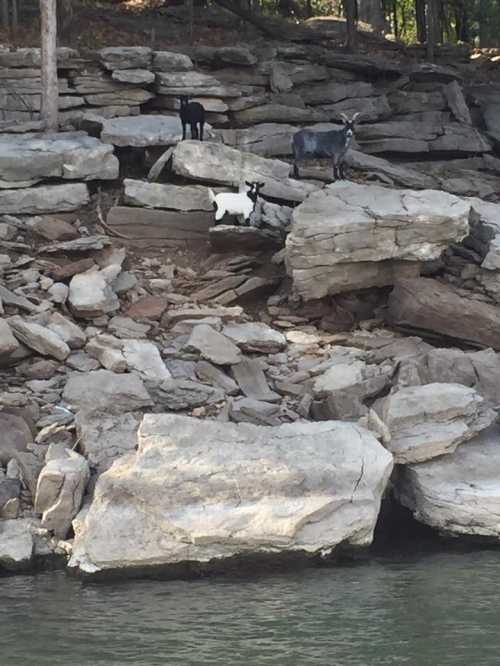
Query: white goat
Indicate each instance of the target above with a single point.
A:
(241, 203)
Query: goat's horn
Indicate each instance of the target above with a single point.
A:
(356, 115)
(344, 117)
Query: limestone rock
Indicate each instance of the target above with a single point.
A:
(212, 346)
(212, 162)
(211, 374)
(164, 195)
(16, 435)
(67, 330)
(144, 358)
(457, 494)
(103, 437)
(431, 420)
(60, 490)
(304, 487)
(40, 338)
(456, 102)
(168, 61)
(256, 337)
(479, 370)
(180, 394)
(8, 342)
(431, 307)
(126, 57)
(341, 391)
(133, 76)
(91, 295)
(67, 155)
(347, 223)
(142, 131)
(44, 199)
(54, 229)
(106, 391)
(108, 351)
(16, 545)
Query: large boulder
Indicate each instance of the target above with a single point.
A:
(165, 195)
(16, 545)
(44, 199)
(430, 420)
(103, 390)
(59, 491)
(142, 131)
(350, 226)
(69, 155)
(103, 437)
(204, 490)
(435, 308)
(457, 494)
(216, 163)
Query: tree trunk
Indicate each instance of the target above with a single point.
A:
(50, 91)
(15, 15)
(461, 22)
(432, 28)
(372, 12)
(190, 13)
(5, 14)
(350, 8)
(420, 21)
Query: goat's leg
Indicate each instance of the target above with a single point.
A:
(295, 168)
(335, 171)
(183, 131)
(202, 126)
(194, 131)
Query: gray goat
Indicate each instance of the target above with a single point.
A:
(334, 143)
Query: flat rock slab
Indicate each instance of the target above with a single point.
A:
(251, 379)
(212, 346)
(431, 420)
(142, 131)
(164, 195)
(126, 57)
(44, 199)
(216, 490)
(160, 226)
(457, 494)
(256, 337)
(104, 437)
(70, 156)
(348, 223)
(40, 338)
(215, 163)
(102, 390)
(432, 307)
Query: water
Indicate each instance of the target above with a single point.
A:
(431, 610)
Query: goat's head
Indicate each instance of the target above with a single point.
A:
(349, 123)
(253, 189)
(184, 100)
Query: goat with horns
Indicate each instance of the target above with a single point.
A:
(333, 144)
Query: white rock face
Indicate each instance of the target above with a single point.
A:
(143, 357)
(347, 225)
(212, 346)
(431, 420)
(457, 494)
(67, 155)
(59, 491)
(204, 490)
(91, 295)
(16, 544)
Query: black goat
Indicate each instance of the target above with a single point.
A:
(334, 143)
(192, 114)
